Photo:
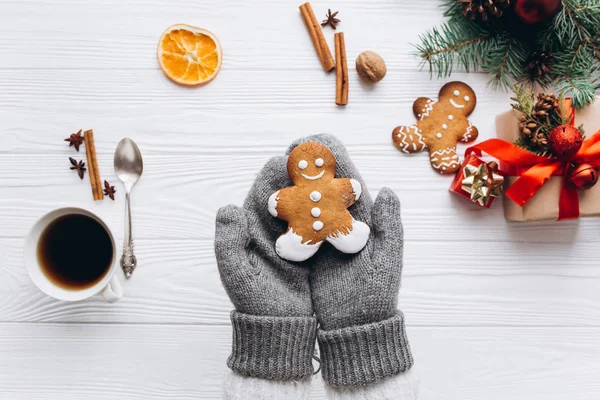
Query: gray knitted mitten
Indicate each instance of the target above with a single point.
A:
(361, 337)
(273, 324)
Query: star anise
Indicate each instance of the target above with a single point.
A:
(78, 166)
(109, 190)
(331, 19)
(75, 140)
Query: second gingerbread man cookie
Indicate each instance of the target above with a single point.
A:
(440, 125)
(315, 208)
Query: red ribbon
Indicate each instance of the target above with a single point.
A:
(534, 170)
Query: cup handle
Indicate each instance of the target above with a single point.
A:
(113, 291)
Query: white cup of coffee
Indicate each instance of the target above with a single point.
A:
(70, 255)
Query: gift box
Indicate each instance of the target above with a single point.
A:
(478, 181)
(544, 205)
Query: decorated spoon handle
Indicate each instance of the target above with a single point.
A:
(128, 260)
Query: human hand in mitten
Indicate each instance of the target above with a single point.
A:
(273, 324)
(355, 297)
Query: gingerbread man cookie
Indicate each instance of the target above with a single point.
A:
(315, 208)
(440, 125)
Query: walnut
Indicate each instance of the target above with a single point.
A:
(370, 66)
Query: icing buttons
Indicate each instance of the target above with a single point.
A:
(315, 212)
(450, 117)
(439, 135)
(317, 225)
(315, 196)
(444, 126)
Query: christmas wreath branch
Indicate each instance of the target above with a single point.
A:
(493, 36)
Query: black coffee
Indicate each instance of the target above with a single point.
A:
(75, 252)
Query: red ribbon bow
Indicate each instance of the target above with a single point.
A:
(534, 170)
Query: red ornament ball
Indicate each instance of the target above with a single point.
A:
(536, 11)
(565, 141)
(583, 177)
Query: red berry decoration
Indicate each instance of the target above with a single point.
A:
(565, 141)
(536, 11)
(583, 177)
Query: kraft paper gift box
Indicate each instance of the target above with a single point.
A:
(544, 204)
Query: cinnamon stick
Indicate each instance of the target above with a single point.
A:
(92, 162)
(316, 34)
(341, 70)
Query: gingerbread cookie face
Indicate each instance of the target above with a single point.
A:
(316, 206)
(441, 124)
(311, 162)
(460, 96)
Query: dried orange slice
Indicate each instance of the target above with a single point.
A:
(188, 55)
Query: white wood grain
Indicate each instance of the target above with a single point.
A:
(168, 203)
(147, 362)
(494, 310)
(265, 35)
(178, 282)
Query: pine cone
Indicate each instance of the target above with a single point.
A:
(482, 9)
(539, 140)
(546, 104)
(539, 64)
(528, 128)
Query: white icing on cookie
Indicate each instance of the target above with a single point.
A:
(444, 126)
(317, 225)
(314, 177)
(315, 196)
(290, 247)
(467, 135)
(456, 93)
(448, 157)
(302, 164)
(438, 135)
(456, 105)
(428, 108)
(273, 203)
(409, 134)
(319, 162)
(353, 241)
(450, 117)
(315, 212)
(467, 98)
(357, 188)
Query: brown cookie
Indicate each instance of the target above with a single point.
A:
(441, 124)
(315, 208)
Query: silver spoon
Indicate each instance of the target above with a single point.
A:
(128, 167)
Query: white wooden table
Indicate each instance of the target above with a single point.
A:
(494, 310)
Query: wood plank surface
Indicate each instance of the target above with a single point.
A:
(494, 310)
(147, 362)
(517, 284)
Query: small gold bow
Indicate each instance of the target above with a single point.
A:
(482, 182)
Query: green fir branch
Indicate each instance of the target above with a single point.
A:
(523, 100)
(502, 47)
(451, 44)
(505, 62)
(579, 89)
(520, 142)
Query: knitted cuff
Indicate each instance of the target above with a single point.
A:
(279, 348)
(360, 355)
